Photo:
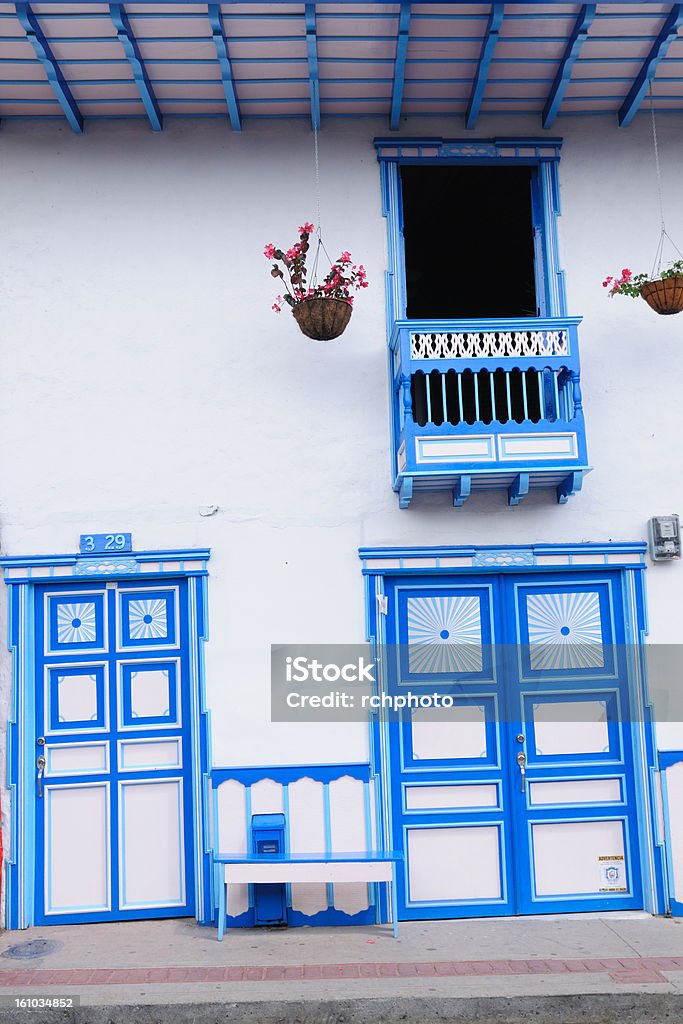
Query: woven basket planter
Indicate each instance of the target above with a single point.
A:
(322, 319)
(665, 296)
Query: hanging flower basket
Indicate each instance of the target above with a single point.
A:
(322, 311)
(322, 319)
(665, 295)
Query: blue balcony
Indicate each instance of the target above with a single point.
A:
(487, 404)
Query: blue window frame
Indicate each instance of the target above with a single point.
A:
(490, 400)
(542, 156)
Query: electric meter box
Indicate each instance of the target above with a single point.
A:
(268, 840)
(665, 538)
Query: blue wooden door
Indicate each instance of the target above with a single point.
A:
(518, 795)
(113, 799)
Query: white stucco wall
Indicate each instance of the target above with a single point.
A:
(144, 375)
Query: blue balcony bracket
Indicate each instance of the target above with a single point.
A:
(668, 33)
(485, 58)
(405, 492)
(36, 38)
(569, 486)
(518, 489)
(462, 491)
(131, 49)
(485, 405)
(400, 65)
(313, 72)
(569, 58)
(221, 44)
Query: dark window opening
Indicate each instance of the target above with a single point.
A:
(469, 242)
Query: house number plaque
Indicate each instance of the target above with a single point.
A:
(105, 543)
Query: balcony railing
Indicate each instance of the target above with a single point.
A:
(487, 404)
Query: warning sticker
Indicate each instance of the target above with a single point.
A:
(612, 871)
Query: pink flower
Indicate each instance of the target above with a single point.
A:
(275, 308)
(345, 257)
(269, 251)
(306, 228)
(626, 273)
(292, 253)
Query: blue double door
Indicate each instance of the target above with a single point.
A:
(113, 800)
(516, 793)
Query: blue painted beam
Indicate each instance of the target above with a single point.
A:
(132, 51)
(481, 77)
(647, 72)
(400, 65)
(337, 3)
(36, 38)
(221, 44)
(313, 71)
(564, 72)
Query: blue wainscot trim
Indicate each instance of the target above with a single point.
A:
(21, 573)
(377, 911)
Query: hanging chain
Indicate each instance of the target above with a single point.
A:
(316, 155)
(317, 174)
(657, 265)
(320, 245)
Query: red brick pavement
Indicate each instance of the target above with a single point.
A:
(626, 970)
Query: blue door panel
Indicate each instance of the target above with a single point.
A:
(111, 669)
(536, 669)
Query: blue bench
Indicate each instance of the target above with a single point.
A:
(241, 869)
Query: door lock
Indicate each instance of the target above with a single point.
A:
(521, 761)
(40, 765)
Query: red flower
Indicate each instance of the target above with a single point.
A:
(269, 251)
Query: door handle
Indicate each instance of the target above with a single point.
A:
(521, 761)
(40, 765)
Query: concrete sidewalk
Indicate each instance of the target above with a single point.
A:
(178, 962)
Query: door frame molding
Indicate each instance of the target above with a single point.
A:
(626, 558)
(21, 576)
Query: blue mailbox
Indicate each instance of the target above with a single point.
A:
(268, 840)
